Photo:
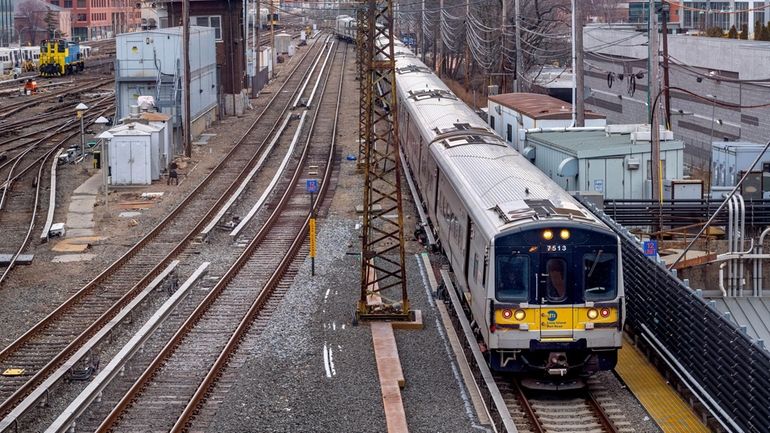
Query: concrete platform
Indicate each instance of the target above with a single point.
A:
(665, 406)
(80, 214)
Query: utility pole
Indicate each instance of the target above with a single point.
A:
(440, 40)
(653, 91)
(186, 74)
(272, 36)
(517, 12)
(579, 102)
(665, 9)
(503, 19)
(422, 22)
(468, 55)
(257, 53)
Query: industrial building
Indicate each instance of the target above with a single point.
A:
(511, 112)
(719, 73)
(225, 17)
(149, 64)
(614, 161)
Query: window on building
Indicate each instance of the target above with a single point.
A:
(214, 21)
(68, 4)
(82, 17)
(509, 133)
(81, 3)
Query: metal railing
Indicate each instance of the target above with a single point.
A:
(726, 370)
(681, 213)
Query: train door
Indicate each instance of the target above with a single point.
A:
(555, 294)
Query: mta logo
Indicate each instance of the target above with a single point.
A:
(552, 316)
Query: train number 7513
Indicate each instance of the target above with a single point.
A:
(556, 248)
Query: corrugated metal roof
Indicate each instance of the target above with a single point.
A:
(576, 141)
(537, 106)
(754, 313)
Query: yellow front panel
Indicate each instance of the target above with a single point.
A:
(551, 318)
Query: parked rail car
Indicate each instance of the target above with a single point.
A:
(542, 276)
(60, 57)
(24, 58)
(345, 28)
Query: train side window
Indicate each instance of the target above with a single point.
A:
(556, 282)
(492, 122)
(509, 133)
(512, 283)
(599, 276)
(475, 267)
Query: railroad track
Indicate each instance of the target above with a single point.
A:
(32, 101)
(61, 333)
(21, 186)
(561, 411)
(187, 369)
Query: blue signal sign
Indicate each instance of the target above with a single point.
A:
(312, 186)
(650, 248)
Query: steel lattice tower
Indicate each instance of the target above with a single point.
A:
(363, 78)
(382, 268)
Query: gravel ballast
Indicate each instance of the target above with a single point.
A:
(286, 386)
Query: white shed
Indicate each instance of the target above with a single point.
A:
(130, 157)
(167, 148)
(614, 162)
(511, 112)
(157, 137)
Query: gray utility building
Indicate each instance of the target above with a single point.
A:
(717, 70)
(614, 161)
(149, 63)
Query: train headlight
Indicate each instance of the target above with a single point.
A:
(592, 313)
(605, 312)
(547, 235)
(564, 234)
(519, 315)
(507, 314)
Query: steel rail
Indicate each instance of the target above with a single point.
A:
(170, 348)
(11, 143)
(184, 420)
(69, 125)
(15, 108)
(41, 161)
(21, 392)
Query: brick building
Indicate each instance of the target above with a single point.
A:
(225, 16)
(96, 19)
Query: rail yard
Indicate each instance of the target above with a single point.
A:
(341, 243)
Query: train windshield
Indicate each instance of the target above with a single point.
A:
(44, 47)
(512, 278)
(599, 276)
(556, 279)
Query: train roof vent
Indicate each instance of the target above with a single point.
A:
(543, 208)
(463, 139)
(513, 211)
(421, 95)
(411, 69)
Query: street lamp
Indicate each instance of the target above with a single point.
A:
(81, 109)
(711, 137)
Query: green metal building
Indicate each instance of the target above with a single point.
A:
(7, 33)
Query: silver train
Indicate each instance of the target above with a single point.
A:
(541, 275)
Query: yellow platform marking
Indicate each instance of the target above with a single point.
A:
(665, 406)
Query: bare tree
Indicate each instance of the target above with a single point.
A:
(33, 15)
